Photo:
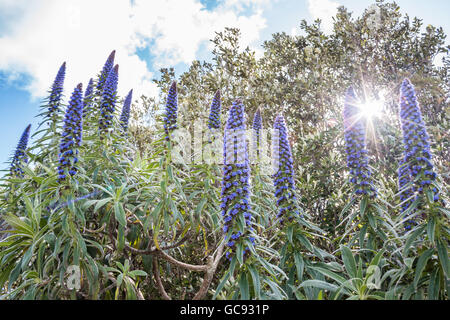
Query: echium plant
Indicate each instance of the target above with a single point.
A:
(71, 135)
(355, 146)
(257, 127)
(19, 155)
(214, 114)
(108, 102)
(236, 185)
(125, 116)
(101, 82)
(283, 177)
(406, 192)
(54, 100)
(417, 154)
(88, 95)
(170, 116)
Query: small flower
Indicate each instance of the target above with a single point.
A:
(101, 82)
(124, 117)
(170, 118)
(108, 102)
(355, 141)
(20, 155)
(71, 136)
(54, 100)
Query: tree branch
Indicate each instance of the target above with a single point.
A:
(159, 284)
(212, 266)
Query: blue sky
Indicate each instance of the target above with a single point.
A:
(36, 36)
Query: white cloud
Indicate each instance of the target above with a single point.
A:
(179, 27)
(323, 10)
(84, 32)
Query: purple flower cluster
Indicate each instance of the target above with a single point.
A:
(417, 154)
(283, 178)
(71, 135)
(257, 126)
(214, 114)
(88, 95)
(125, 116)
(108, 102)
(20, 155)
(355, 141)
(235, 184)
(170, 117)
(54, 100)
(101, 82)
(405, 194)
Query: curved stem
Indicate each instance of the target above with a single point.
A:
(212, 266)
(159, 283)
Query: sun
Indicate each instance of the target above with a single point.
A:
(371, 108)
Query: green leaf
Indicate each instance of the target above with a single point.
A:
(363, 207)
(299, 265)
(332, 275)
(443, 257)
(431, 226)
(319, 284)
(421, 263)
(411, 239)
(349, 261)
(433, 287)
(139, 273)
(244, 287)
(225, 277)
(256, 281)
(119, 213)
(101, 203)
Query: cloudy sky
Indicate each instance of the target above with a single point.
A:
(36, 36)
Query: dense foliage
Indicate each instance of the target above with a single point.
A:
(355, 208)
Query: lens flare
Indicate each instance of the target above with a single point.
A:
(371, 108)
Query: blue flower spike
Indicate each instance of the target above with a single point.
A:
(283, 178)
(108, 101)
(170, 117)
(236, 184)
(125, 116)
(54, 100)
(71, 135)
(109, 64)
(20, 156)
(355, 147)
(214, 115)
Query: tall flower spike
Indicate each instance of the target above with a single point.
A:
(235, 184)
(416, 142)
(214, 114)
(20, 155)
(101, 82)
(406, 193)
(170, 117)
(257, 126)
(108, 102)
(283, 178)
(71, 135)
(124, 117)
(54, 100)
(355, 143)
(88, 94)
